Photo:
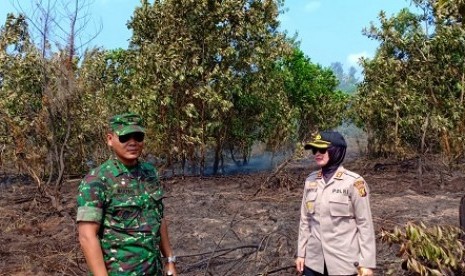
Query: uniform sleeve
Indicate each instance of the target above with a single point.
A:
(304, 230)
(361, 202)
(155, 189)
(90, 199)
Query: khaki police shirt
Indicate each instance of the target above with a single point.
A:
(336, 225)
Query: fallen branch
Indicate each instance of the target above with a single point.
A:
(222, 237)
(208, 260)
(275, 270)
(277, 171)
(220, 250)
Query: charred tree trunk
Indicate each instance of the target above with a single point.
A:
(216, 162)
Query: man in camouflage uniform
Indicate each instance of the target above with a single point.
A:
(120, 211)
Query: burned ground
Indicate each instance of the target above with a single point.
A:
(232, 225)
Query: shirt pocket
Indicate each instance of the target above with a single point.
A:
(340, 206)
(154, 204)
(310, 200)
(125, 218)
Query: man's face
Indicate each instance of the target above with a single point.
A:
(127, 147)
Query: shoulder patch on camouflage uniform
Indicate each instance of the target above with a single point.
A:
(360, 186)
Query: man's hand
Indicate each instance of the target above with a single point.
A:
(299, 264)
(362, 271)
(170, 269)
(90, 244)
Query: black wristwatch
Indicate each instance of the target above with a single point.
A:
(172, 259)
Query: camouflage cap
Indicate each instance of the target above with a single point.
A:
(122, 124)
(324, 139)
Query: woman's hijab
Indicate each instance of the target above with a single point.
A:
(336, 156)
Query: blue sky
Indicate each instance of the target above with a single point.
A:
(329, 30)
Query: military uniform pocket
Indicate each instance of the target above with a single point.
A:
(126, 217)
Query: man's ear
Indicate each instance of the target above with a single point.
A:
(110, 138)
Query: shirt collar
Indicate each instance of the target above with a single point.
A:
(117, 167)
(337, 175)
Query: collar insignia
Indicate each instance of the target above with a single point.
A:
(338, 175)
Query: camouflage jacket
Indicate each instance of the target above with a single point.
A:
(127, 203)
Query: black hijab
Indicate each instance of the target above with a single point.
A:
(336, 155)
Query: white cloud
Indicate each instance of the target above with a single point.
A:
(312, 6)
(353, 59)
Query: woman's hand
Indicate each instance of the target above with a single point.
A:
(365, 271)
(299, 264)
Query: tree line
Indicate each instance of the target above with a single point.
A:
(211, 79)
(411, 101)
(214, 78)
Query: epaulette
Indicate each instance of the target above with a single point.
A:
(95, 172)
(149, 170)
(314, 174)
(147, 167)
(351, 174)
(114, 167)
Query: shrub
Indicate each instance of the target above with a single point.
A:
(435, 250)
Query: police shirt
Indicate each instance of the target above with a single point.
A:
(336, 224)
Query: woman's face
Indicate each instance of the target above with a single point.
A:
(321, 156)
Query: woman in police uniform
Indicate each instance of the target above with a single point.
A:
(336, 234)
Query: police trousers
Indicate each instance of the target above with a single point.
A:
(310, 272)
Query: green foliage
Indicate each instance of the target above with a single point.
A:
(452, 10)
(311, 90)
(413, 88)
(98, 86)
(200, 66)
(43, 109)
(435, 250)
(21, 108)
(208, 77)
